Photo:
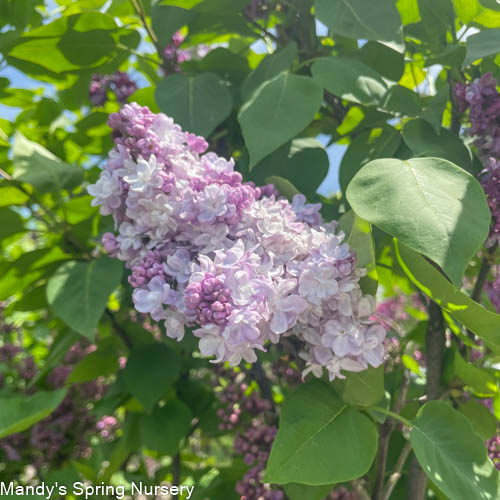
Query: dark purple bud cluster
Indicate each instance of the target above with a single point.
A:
(285, 372)
(342, 493)
(493, 289)
(235, 400)
(119, 83)
(65, 432)
(493, 446)
(255, 445)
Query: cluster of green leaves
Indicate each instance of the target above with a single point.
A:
(379, 81)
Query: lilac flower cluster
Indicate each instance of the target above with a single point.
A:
(493, 289)
(64, 433)
(119, 83)
(482, 99)
(173, 55)
(491, 184)
(207, 249)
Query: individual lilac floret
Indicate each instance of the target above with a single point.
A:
(244, 265)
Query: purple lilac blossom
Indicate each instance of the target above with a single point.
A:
(173, 55)
(207, 249)
(119, 83)
(482, 99)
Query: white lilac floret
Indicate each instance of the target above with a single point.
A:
(235, 262)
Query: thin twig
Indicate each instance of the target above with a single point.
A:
(176, 473)
(394, 477)
(261, 28)
(386, 430)
(142, 15)
(434, 343)
(264, 383)
(3, 173)
(483, 274)
(119, 330)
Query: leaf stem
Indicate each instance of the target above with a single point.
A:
(266, 32)
(142, 15)
(176, 473)
(392, 414)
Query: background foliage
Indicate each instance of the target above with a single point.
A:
(91, 390)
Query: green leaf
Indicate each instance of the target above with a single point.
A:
(70, 43)
(150, 371)
(359, 236)
(452, 455)
(284, 186)
(11, 195)
(271, 66)
(28, 268)
(197, 103)
(364, 388)
(292, 162)
(96, 364)
(165, 428)
(297, 491)
(400, 100)
(408, 9)
(314, 425)
(433, 112)
(482, 44)
(480, 381)
(40, 168)
(424, 141)
(368, 145)
(482, 420)
(385, 61)
(429, 204)
(20, 412)
(279, 110)
(10, 223)
(166, 20)
(437, 19)
(358, 19)
(485, 324)
(349, 79)
(491, 4)
(78, 292)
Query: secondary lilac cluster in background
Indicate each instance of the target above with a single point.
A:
(245, 266)
(119, 83)
(65, 432)
(482, 99)
(174, 55)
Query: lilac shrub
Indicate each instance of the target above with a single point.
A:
(207, 249)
